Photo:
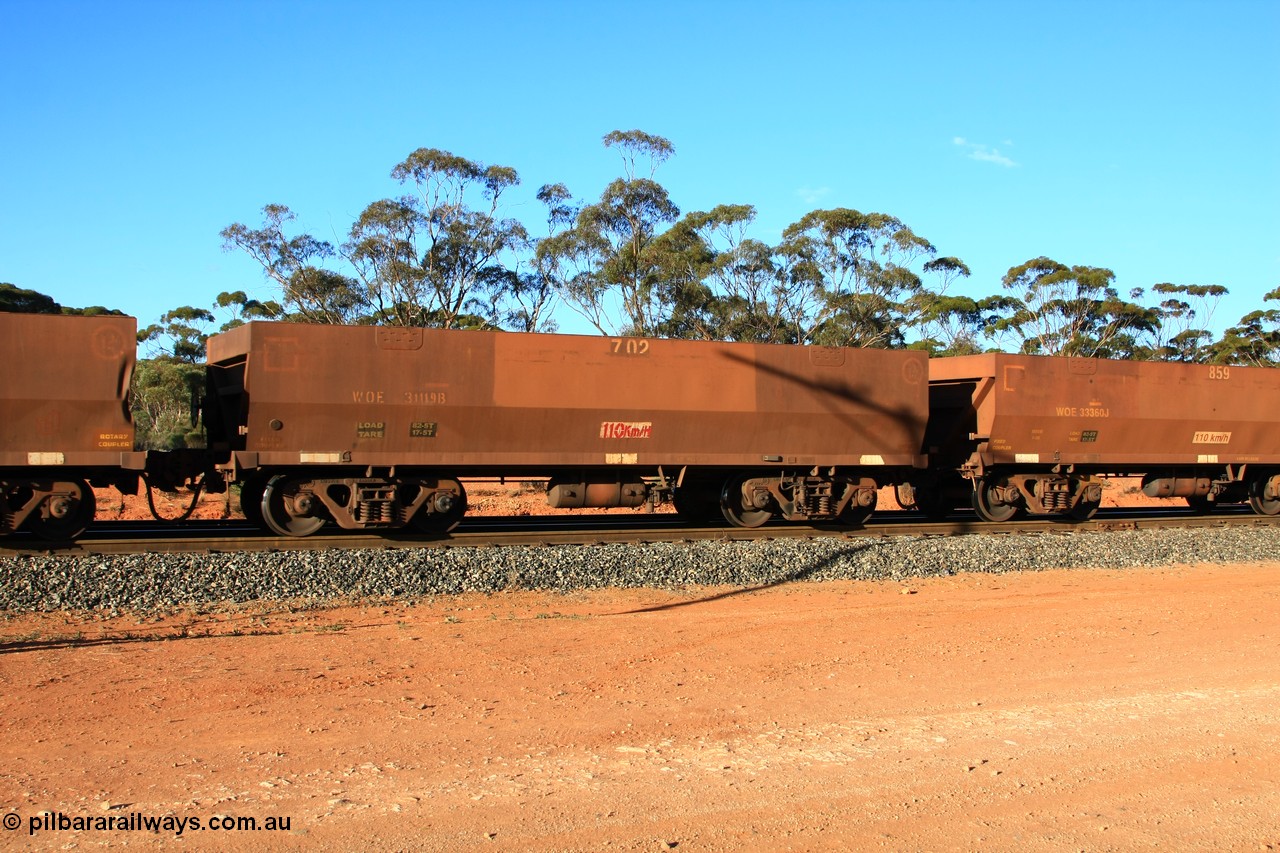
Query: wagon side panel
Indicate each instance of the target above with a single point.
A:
(64, 383)
(1109, 414)
(375, 396)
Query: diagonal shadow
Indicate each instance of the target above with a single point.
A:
(911, 422)
(224, 630)
(801, 574)
(12, 647)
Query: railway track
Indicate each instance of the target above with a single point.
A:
(128, 537)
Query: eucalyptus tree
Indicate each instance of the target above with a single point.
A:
(607, 261)
(162, 399)
(1183, 316)
(180, 334)
(310, 291)
(438, 256)
(944, 323)
(531, 293)
(238, 308)
(721, 284)
(169, 380)
(19, 300)
(1053, 309)
(758, 304)
(848, 276)
(1255, 340)
(686, 304)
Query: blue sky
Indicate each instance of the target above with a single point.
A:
(1139, 136)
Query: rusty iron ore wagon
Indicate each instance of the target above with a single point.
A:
(1014, 433)
(64, 418)
(375, 427)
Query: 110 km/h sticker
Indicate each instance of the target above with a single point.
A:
(624, 429)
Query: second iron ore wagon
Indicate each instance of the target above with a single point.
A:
(375, 427)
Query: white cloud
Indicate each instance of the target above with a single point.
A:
(985, 153)
(812, 195)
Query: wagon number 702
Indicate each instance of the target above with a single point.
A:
(629, 346)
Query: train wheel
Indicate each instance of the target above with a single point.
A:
(448, 510)
(856, 515)
(251, 499)
(64, 517)
(735, 509)
(987, 503)
(6, 512)
(1259, 500)
(285, 511)
(1085, 510)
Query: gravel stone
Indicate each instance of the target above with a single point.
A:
(156, 582)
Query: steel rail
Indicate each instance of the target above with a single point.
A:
(212, 537)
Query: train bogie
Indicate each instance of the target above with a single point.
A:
(373, 427)
(1034, 433)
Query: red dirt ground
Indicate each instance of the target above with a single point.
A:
(1083, 710)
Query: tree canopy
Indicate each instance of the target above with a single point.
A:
(18, 300)
(447, 252)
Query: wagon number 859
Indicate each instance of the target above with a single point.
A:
(630, 346)
(1219, 371)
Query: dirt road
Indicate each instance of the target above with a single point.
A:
(1098, 710)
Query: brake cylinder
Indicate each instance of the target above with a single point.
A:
(562, 495)
(1176, 487)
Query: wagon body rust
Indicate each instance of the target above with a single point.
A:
(64, 417)
(613, 421)
(1034, 432)
(373, 427)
